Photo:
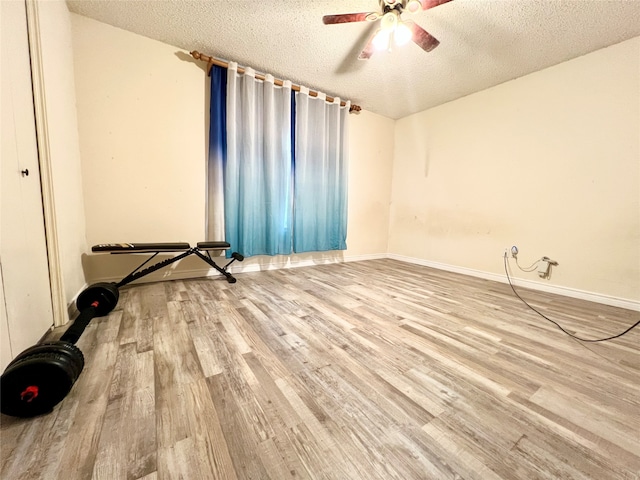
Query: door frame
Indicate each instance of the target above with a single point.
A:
(58, 300)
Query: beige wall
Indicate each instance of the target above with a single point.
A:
(549, 162)
(141, 117)
(370, 170)
(64, 150)
(142, 108)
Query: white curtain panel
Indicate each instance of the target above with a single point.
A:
(258, 172)
(321, 170)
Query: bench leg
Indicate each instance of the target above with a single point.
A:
(223, 270)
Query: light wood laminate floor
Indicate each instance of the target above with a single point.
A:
(366, 370)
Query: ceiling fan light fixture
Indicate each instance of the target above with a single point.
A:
(414, 5)
(402, 34)
(392, 29)
(382, 40)
(389, 20)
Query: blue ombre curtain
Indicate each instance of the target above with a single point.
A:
(217, 155)
(258, 171)
(321, 170)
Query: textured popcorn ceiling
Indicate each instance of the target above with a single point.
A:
(483, 42)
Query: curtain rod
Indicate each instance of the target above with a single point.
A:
(214, 61)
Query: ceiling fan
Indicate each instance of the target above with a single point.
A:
(392, 27)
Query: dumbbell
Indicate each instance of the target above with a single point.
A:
(41, 376)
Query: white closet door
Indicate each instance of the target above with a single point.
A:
(23, 254)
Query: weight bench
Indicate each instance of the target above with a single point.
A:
(41, 376)
(156, 248)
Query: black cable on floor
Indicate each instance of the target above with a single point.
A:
(506, 270)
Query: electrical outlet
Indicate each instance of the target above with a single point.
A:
(543, 267)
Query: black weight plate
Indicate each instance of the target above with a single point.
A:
(35, 384)
(62, 348)
(106, 294)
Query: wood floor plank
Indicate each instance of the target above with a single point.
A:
(205, 429)
(91, 392)
(323, 431)
(138, 331)
(366, 370)
(175, 356)
(130, 414)
(621, 430)
(575, 434)
(240, 434)
(463, 461)
(31, 448)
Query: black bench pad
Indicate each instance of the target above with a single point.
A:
(141, 247)
(213, 245)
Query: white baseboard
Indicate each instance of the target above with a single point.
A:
(285, 262)
(556, 289)
(361, 258)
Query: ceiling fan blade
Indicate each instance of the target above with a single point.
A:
(349, 17)
(368, 50)
(427, 4)
(422, 38)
